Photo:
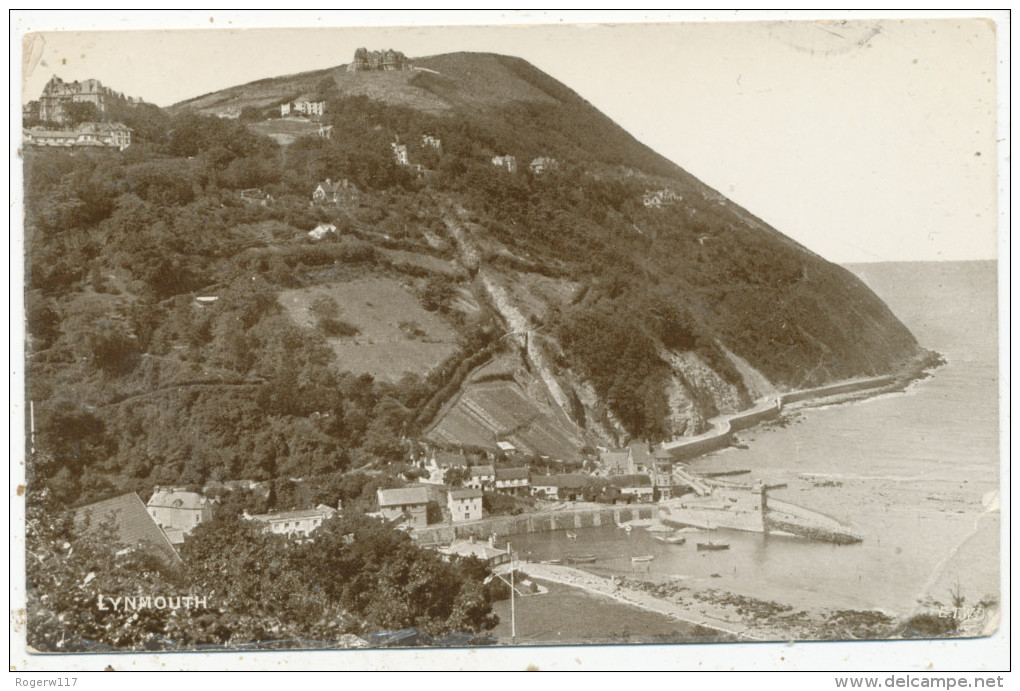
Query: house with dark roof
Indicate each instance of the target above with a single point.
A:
(132, 525)
(406, 504)
(617, 462)
(568, 487)
(513, 480)
(464, 504)
(330, 192)
(543, 164)
(481, 477)
(178, 511)
(637, 485)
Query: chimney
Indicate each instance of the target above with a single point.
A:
(471, 539)
(339, 504)
(492, 539)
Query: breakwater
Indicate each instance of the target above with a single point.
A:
(724, 426)
(566, 519)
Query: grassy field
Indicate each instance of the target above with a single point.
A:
(396, 334)
(285, 130)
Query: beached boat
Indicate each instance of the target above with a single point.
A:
(571, 536)
(581, 559)
(670, 539)
(647, 557)
(712, 546)
(554, 562)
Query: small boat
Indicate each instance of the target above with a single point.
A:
(670, 539)
(554, 562)
(647, 557)
(581, 559)
(712, 546)
(571, 536)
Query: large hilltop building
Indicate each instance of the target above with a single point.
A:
(57, 95)
(378, 61)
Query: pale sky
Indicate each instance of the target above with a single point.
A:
(864, 141)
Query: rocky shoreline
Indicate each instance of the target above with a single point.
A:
(735, 617)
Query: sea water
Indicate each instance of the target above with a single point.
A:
(914, 472)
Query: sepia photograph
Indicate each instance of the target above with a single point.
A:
(634, 334)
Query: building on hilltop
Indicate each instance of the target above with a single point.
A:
(57, 95)
(96, 135)
(618, 462)
(433, 142)
(299, 524)
(659, 198)
(508, 162)
(378, 61)
(330, 192)
(178, 511)
(543, 164)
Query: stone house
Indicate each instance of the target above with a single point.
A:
(330, 192)
(178, 511)
(464, 504)
(407, 504)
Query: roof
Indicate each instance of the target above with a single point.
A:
(512, 473)
(466, 493)
(402, 496)
(477, 470)
(296, 515)
(506, 446)
(637, 480)
(571, 481)
(173, 498)
(132, 525)
(466, 548)
(445, 459)
(619, 461)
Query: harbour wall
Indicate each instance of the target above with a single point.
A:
(720, 436)
(567, 519)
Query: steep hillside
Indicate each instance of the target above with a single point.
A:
(182, 332)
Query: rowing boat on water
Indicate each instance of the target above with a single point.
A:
(712, 546)
(647, 557)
